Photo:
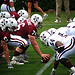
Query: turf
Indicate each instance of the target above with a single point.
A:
(34, 65)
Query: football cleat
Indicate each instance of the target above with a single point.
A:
(69, 20)
(25, 56)
(10, 65)
(22, 60)
(53, 72)
(57, 21)
(45, 16)
(16, 62)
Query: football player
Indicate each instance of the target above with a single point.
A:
(26, 35)
(64, 47)
(8, 5)
(4, 38)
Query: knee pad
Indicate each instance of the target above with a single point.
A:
(66, 63)
(23, 47)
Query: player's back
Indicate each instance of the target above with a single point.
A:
(65, 31)
(25, 28)
(66, 40)
(61, 30)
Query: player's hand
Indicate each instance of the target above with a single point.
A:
(45, 56)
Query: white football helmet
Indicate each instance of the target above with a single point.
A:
(3, 24)
(21, 19)
(13, 24)
(23, 13)
(44, 36)
(5, 14)
(36, 19)
(71, 25)
(74, 19)
(52, 31)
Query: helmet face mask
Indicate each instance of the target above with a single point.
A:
(37, 20)
(3, 24)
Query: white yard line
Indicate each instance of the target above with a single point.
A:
(45, 66)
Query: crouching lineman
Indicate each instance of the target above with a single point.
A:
(4, 38)
(64, 46)
(25, 34)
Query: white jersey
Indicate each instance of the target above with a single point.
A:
(68, 42)
(65, 31)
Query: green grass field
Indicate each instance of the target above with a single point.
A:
(34, 66)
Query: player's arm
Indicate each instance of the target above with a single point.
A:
(36, 47)
(5, 48)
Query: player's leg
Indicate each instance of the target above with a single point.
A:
(58, 10)
(56, 63)
(29, 9)
(22, 45)
(67, 10)
(67, 64)
(16, 57)
(39, 9)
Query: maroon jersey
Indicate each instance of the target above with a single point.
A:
(14, 14)
(26, 28)
(6, 2)
(4, 36)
